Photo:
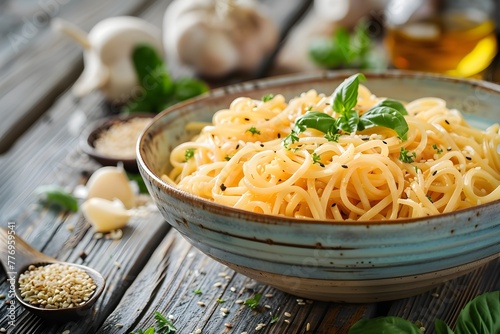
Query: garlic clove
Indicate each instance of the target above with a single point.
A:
(105, 215)
(111, 183)
(94, 75)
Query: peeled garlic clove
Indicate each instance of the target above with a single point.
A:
(111, 183)
(105, 215)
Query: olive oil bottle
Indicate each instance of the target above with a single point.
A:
(453, 41)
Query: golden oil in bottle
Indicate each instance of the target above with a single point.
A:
(454, 43)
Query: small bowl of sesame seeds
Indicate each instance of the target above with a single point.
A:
(58, 290)
(112, 140)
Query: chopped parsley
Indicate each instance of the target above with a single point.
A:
(438, 150)
(220, 301)
(253, 131)
(254, 301)
(163, 326)
(274, 318)
(407, 157)
(267, 97)
(189, 154)
(197, 292)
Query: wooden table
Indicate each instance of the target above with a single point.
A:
(151, 268)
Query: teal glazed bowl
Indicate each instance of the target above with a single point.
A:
(328, 260)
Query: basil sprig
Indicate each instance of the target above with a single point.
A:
(480, 315)
(387, 113)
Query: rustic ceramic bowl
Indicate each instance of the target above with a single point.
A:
(328, 260)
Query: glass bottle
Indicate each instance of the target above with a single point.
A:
(453, 37)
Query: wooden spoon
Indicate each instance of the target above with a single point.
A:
(17, 255)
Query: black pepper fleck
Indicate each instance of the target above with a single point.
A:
(345, 166)
(223, 187)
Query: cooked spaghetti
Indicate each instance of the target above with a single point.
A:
(240, 160)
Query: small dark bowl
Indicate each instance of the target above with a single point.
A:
(95, 129)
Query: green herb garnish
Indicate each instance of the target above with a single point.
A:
(197, 292)
(267, 97)
(407, 157)
(317, 159)
(158, 89)
(55, 195)
(140, 182)
(387, 113)
(189, 154)
(274, 318)
(345, 50)
(253, 131)
(480, 315)
(254, 301)
(438, 150)
(220, 301)
(162, 324)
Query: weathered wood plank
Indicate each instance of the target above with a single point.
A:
(446, 301)
(176, 270)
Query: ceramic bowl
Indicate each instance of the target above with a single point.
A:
(328, 260)
(95, 129)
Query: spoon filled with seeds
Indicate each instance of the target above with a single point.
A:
(47, 287)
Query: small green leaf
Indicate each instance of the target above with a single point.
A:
(186, 88)
(345, 97)
(197, 292)
(267, 97)
(55, 195)
(189, 154)
(140, 182)
(386, 117)
(254, 301)
(481, 315)
(442, 328)
(253, 130)
(163, 325)
(389, 325)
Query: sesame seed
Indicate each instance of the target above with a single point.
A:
(345, 166)
(197, 331)
(434, 173)
(171, 317)
(227, 278)
(435, 295)
(308, 327)
(447, 122)
(233, 289)
(260, 326)
(201, 303)
(228, 325)
(98, 235)
(468, 158)
(239, 301)
(222, 274)
(299, 300)
(66, 332)
(3, 330)
(269, 295)
(287, 321)
(267, 306)
(301, 303)
(218, 284)
(224, 310)
(2, 296)
(119, 325)
(287, 314)
(118, 265)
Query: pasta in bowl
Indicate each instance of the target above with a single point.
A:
(380, 190)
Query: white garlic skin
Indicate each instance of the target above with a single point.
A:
(111, 183)
(217, 38)
(105, 215)
(107, 57)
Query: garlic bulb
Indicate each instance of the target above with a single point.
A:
(105, 215)
(111, 183)
(107, 54)
(217, 37)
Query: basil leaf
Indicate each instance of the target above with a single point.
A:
(55, 195)
(151, 71)
(345, 95)
(392, 325)
(186, 88)
(480, 315)
(393, 104)
(316, 120)
(387, 117)
(349, 121)
(442, 328)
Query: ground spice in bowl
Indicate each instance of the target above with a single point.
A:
(56, 286)
(119, 140)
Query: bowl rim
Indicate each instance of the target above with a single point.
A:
(301, 78)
